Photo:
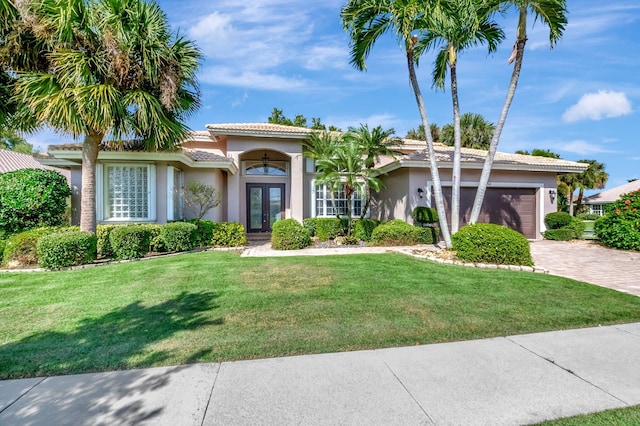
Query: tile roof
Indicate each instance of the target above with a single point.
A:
(255, 129)
(197, 155)
(11, 161)
(613, 194)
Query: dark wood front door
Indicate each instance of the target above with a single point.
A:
(265, 205)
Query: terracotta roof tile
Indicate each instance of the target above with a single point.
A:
(258, 128)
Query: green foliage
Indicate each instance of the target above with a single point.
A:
(31, 198)
(557, 220)
(363, 229)
(327, 228)
(204, 233)
(289, 234)
(350, 240)
(130, 242)
(228, 234)
(489, 243)
(562, 234)
(577, 226)
(588, 216)
(104, 244)
(2, 244)
(424, 215)
(156, 243)
(199, 198)
(179, 236)
(310, 225)
(620, 227)
(399, 233)
(12, 141)
(21, 249)
(61, 250)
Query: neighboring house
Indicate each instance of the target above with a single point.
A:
(597, 202)
(11, 161)
(263, 177)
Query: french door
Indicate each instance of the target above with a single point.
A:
(265, 205)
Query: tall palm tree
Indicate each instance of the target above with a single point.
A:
(111, 69)
(366, 21)
(567, 185)
(594, 177)
(464, 24)
(475, 132)
(418, 133)
(552, 13)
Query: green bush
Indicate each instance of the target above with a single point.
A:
(104, 244)
(363, 229)
(577, 226)
(620, 227)
(156, 244)
(21, 249)
(130, 242)
(588, 216)
(179, 236)
(562, 234)
(310, 225)
(423, 215)
(2, 244)
(228, 234)
(327, 228)
(61, 250)
(31, 198)
(289, 234)
(489, 243)
(399, 233)
(204, 233)
(557, 220)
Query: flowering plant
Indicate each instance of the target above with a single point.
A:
(620, 227)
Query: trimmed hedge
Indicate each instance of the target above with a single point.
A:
(489, 243)
(21, 249)
(61, 250)
(130, 242)
(424, 215)
(2, 244)
(577, 226)
(363, 229)
(557, 220)
(289, 234)
(400, 233)
(179, 236)
(156, 244)
(588, 216)
(104, 244)
(204, 231)
(228, 234)
(562, 234)
(310, 225)
(327, 228)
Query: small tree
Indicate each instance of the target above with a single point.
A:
(200, 198)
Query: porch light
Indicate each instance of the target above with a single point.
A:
(552, 195)
(265, 161)
(420, 191)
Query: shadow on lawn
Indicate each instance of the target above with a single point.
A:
(116, 340)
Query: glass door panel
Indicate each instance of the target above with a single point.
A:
(275, 205)
(265, 206)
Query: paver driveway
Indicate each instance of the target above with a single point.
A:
(589, 262)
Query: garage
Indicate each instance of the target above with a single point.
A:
(511, 207)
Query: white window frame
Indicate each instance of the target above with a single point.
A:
(175, 188)
(596, 209)
(248, 164)
(327, 202)
(102, 192)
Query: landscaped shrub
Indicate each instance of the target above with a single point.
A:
(310, 225)
(2, 244)
(363, 229)
(21, 249)
(104, 244)
(179, 236)
(620, 227)
(562, 234)
(557, 220)
(228, 234)
(289, 234)
(577, 226)
(156, 243)
(588, 216)
(61, 250)
(424, 215)
(489, 243)
(32, 198)
(204, 233)
(327, 228)
(399, 233)
(130, 242)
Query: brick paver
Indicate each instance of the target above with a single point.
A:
(590, 262)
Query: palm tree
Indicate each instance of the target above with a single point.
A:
(418, 133)
(593, 178)
(475, 132)
(366, 21)
(112, 69)
(552, 13)
(464, 24)
(567, 185)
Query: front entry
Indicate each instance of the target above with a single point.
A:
(265, 205)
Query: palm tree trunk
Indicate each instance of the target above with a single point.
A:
(515, 75)
(366, 204)
(433, 164)
(90, 149)
(455, 173)
(579, 200)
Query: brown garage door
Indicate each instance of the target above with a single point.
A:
(512, 207)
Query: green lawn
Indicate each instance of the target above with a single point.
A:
(216, 306)
(628, 416)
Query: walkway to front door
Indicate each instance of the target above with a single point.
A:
(265, 205)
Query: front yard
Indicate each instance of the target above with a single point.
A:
(216, 306)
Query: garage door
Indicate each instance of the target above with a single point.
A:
(512, 207)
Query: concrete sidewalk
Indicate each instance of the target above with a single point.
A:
(501, 381)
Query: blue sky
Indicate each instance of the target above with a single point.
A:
(580, 99)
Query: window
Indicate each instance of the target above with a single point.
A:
(256, 168)
(323, 206)
(124, 192)
(597, 209)
(175, 199)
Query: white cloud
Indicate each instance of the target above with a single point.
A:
(322, 57)
(595, 106)
(252, 79)
(582, 147)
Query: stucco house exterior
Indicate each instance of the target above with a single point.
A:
(263, 176)
(597, 202)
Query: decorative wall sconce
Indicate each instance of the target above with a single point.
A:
(265, 160)
(420, 192)
(552, 195)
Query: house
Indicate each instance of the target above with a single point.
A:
(597, 202)
(263, 176)
(11, 161)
